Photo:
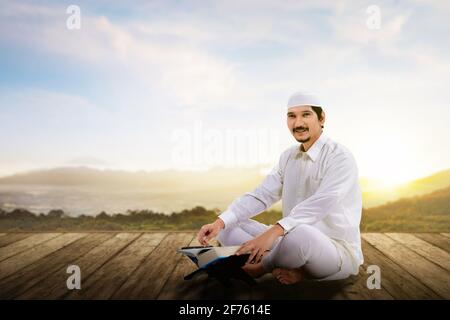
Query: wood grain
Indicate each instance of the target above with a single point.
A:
(146, 265)
(423, 270)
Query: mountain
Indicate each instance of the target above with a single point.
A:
(427, 184)
(425, 213)
(86, 190)
(155, 180)
(374, 196)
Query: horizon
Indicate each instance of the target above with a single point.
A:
(379, 183)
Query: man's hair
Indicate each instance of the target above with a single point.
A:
(318, 111)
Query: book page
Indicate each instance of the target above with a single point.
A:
(215, 253)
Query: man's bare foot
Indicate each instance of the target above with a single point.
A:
(288, 276)
(254, 270)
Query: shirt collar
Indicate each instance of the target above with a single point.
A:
(314, 150)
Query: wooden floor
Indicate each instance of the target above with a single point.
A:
(146, 266)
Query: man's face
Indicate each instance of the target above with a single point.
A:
(304, 124)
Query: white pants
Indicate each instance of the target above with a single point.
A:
(303, 246)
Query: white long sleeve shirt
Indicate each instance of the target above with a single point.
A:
(318, 187)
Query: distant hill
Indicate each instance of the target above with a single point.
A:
(83, 190)
(430, 213)
(373, 196)
(159, 180)
(427, 184)
(57, 220)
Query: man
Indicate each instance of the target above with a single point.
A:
(318, 236)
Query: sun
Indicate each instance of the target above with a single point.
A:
(388, 162)
(389, 177)
(390, 182)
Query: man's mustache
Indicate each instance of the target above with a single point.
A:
(300, 129)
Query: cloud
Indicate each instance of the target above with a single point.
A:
(178, 58)
(163, 65)
(193, 76)
(46, 105)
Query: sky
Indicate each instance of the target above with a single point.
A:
(190, 85)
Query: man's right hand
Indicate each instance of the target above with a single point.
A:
(209, 231)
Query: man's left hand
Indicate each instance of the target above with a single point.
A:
(260, 244)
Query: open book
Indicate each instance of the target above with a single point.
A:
(204, 256)
(218, 262)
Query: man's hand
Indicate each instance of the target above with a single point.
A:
(259, 245)
(209, 231)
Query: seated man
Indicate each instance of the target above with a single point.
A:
(317, 181)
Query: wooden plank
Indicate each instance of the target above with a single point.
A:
(12, 237)
(108, 279)
(435, 239)
(445, 234)
(425, 249)
(31, 255)
(146, 282)
(431, 275)
(357, 288)
(41, 270)
(55, 287)
(174, 288)
(2, 234)
(25, 244)
(268, 288)
(394, 279)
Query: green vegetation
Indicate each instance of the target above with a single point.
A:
(57, 220)
(428, 213)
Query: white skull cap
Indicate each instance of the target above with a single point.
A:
(303, 99)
